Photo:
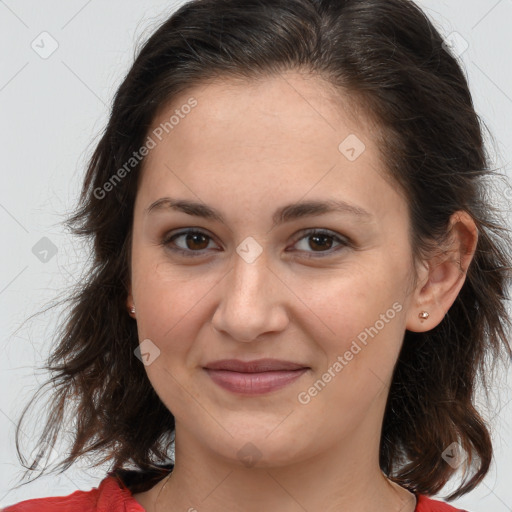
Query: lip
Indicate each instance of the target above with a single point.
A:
(254, 366)
(254, 377)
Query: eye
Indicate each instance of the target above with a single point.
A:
(193, 242)
(321, 241)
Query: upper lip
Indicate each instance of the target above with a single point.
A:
(257, 365)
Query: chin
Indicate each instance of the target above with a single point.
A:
(260, 451)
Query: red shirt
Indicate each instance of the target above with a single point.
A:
(113, 496)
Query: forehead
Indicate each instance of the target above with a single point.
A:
(283, 135)
(262, 106)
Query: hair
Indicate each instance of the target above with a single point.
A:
(388, 57)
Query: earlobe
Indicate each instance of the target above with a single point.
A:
(446, 276)
(130, 305)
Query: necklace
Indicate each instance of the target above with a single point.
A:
(167, 478)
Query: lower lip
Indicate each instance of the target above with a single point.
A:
(254, 383)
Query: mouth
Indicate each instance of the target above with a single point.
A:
(254, 377)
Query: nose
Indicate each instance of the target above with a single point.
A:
(252, 301)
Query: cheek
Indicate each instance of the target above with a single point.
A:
(342, 305)
(360, 344)
(169, 306)
(359, 328)
(166, 295)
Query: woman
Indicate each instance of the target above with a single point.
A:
(296, 274)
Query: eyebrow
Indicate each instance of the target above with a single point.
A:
(284, 214)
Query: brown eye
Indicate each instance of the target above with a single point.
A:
(321, 242)
(196, 241)
(192, 242)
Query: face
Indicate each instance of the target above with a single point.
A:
(248, 273)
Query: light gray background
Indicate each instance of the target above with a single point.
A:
(52, 112)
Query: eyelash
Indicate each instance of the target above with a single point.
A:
(344, 242)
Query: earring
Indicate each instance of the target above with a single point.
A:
(132, 310)
(424, 315)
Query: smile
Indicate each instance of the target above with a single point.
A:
(254, 383)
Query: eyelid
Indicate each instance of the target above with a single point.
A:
(168, 238)
(342, 240)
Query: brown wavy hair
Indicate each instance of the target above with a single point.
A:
(386, 55)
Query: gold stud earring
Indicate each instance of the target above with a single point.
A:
(424, 315)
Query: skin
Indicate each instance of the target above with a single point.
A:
(247, 149)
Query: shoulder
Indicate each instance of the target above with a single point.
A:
(109, 496)
(426, 504)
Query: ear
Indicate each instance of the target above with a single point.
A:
(442, 277)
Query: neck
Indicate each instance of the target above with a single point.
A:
(345, 478)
